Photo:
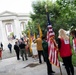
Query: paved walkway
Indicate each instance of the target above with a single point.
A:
(11, 66)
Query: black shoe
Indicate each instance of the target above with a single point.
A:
(52, 72)
(18, 59)
(40, 62)
(26, 59)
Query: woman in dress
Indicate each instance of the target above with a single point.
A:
(34, 50)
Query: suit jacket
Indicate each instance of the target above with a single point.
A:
(45, 49)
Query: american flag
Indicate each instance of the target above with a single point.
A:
(52, 48)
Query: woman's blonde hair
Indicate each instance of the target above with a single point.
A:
(62, 34)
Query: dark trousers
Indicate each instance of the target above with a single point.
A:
(17, 54)
(39, 55)
(49, 66)
(68, 65)
(10, 49)
(23, 53)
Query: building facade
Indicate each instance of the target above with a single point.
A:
(12, 23)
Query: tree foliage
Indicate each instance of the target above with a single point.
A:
(62, 15)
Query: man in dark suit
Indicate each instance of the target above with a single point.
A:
(45, 51)
(22, 47)
(16, 48)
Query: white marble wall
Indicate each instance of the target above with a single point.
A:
(15, 20)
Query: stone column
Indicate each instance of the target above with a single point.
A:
(3, 37)
(17, 30)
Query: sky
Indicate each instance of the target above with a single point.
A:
(18, 6)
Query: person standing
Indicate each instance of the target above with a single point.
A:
(39, 48)
(17, 50)
(34, 50)
(10, 47)
(18, 42)
(22, 47)
(45, 51)
(0, 53)
(65, 51)
(73, 34)
(1, 48)
(1, 45)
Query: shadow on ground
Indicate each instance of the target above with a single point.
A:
(31, 65)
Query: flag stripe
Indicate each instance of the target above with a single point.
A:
(52, 50)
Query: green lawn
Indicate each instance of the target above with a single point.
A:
(74, 59)
(74, 54)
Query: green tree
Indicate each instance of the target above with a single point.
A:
(62, 15)
(39, 16)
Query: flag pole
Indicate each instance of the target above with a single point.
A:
(48, 19)
(60, 68)
(59, 60)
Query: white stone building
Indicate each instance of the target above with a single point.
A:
(12, 23)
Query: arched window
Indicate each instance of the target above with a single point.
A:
(22, 26)
(9, 28)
